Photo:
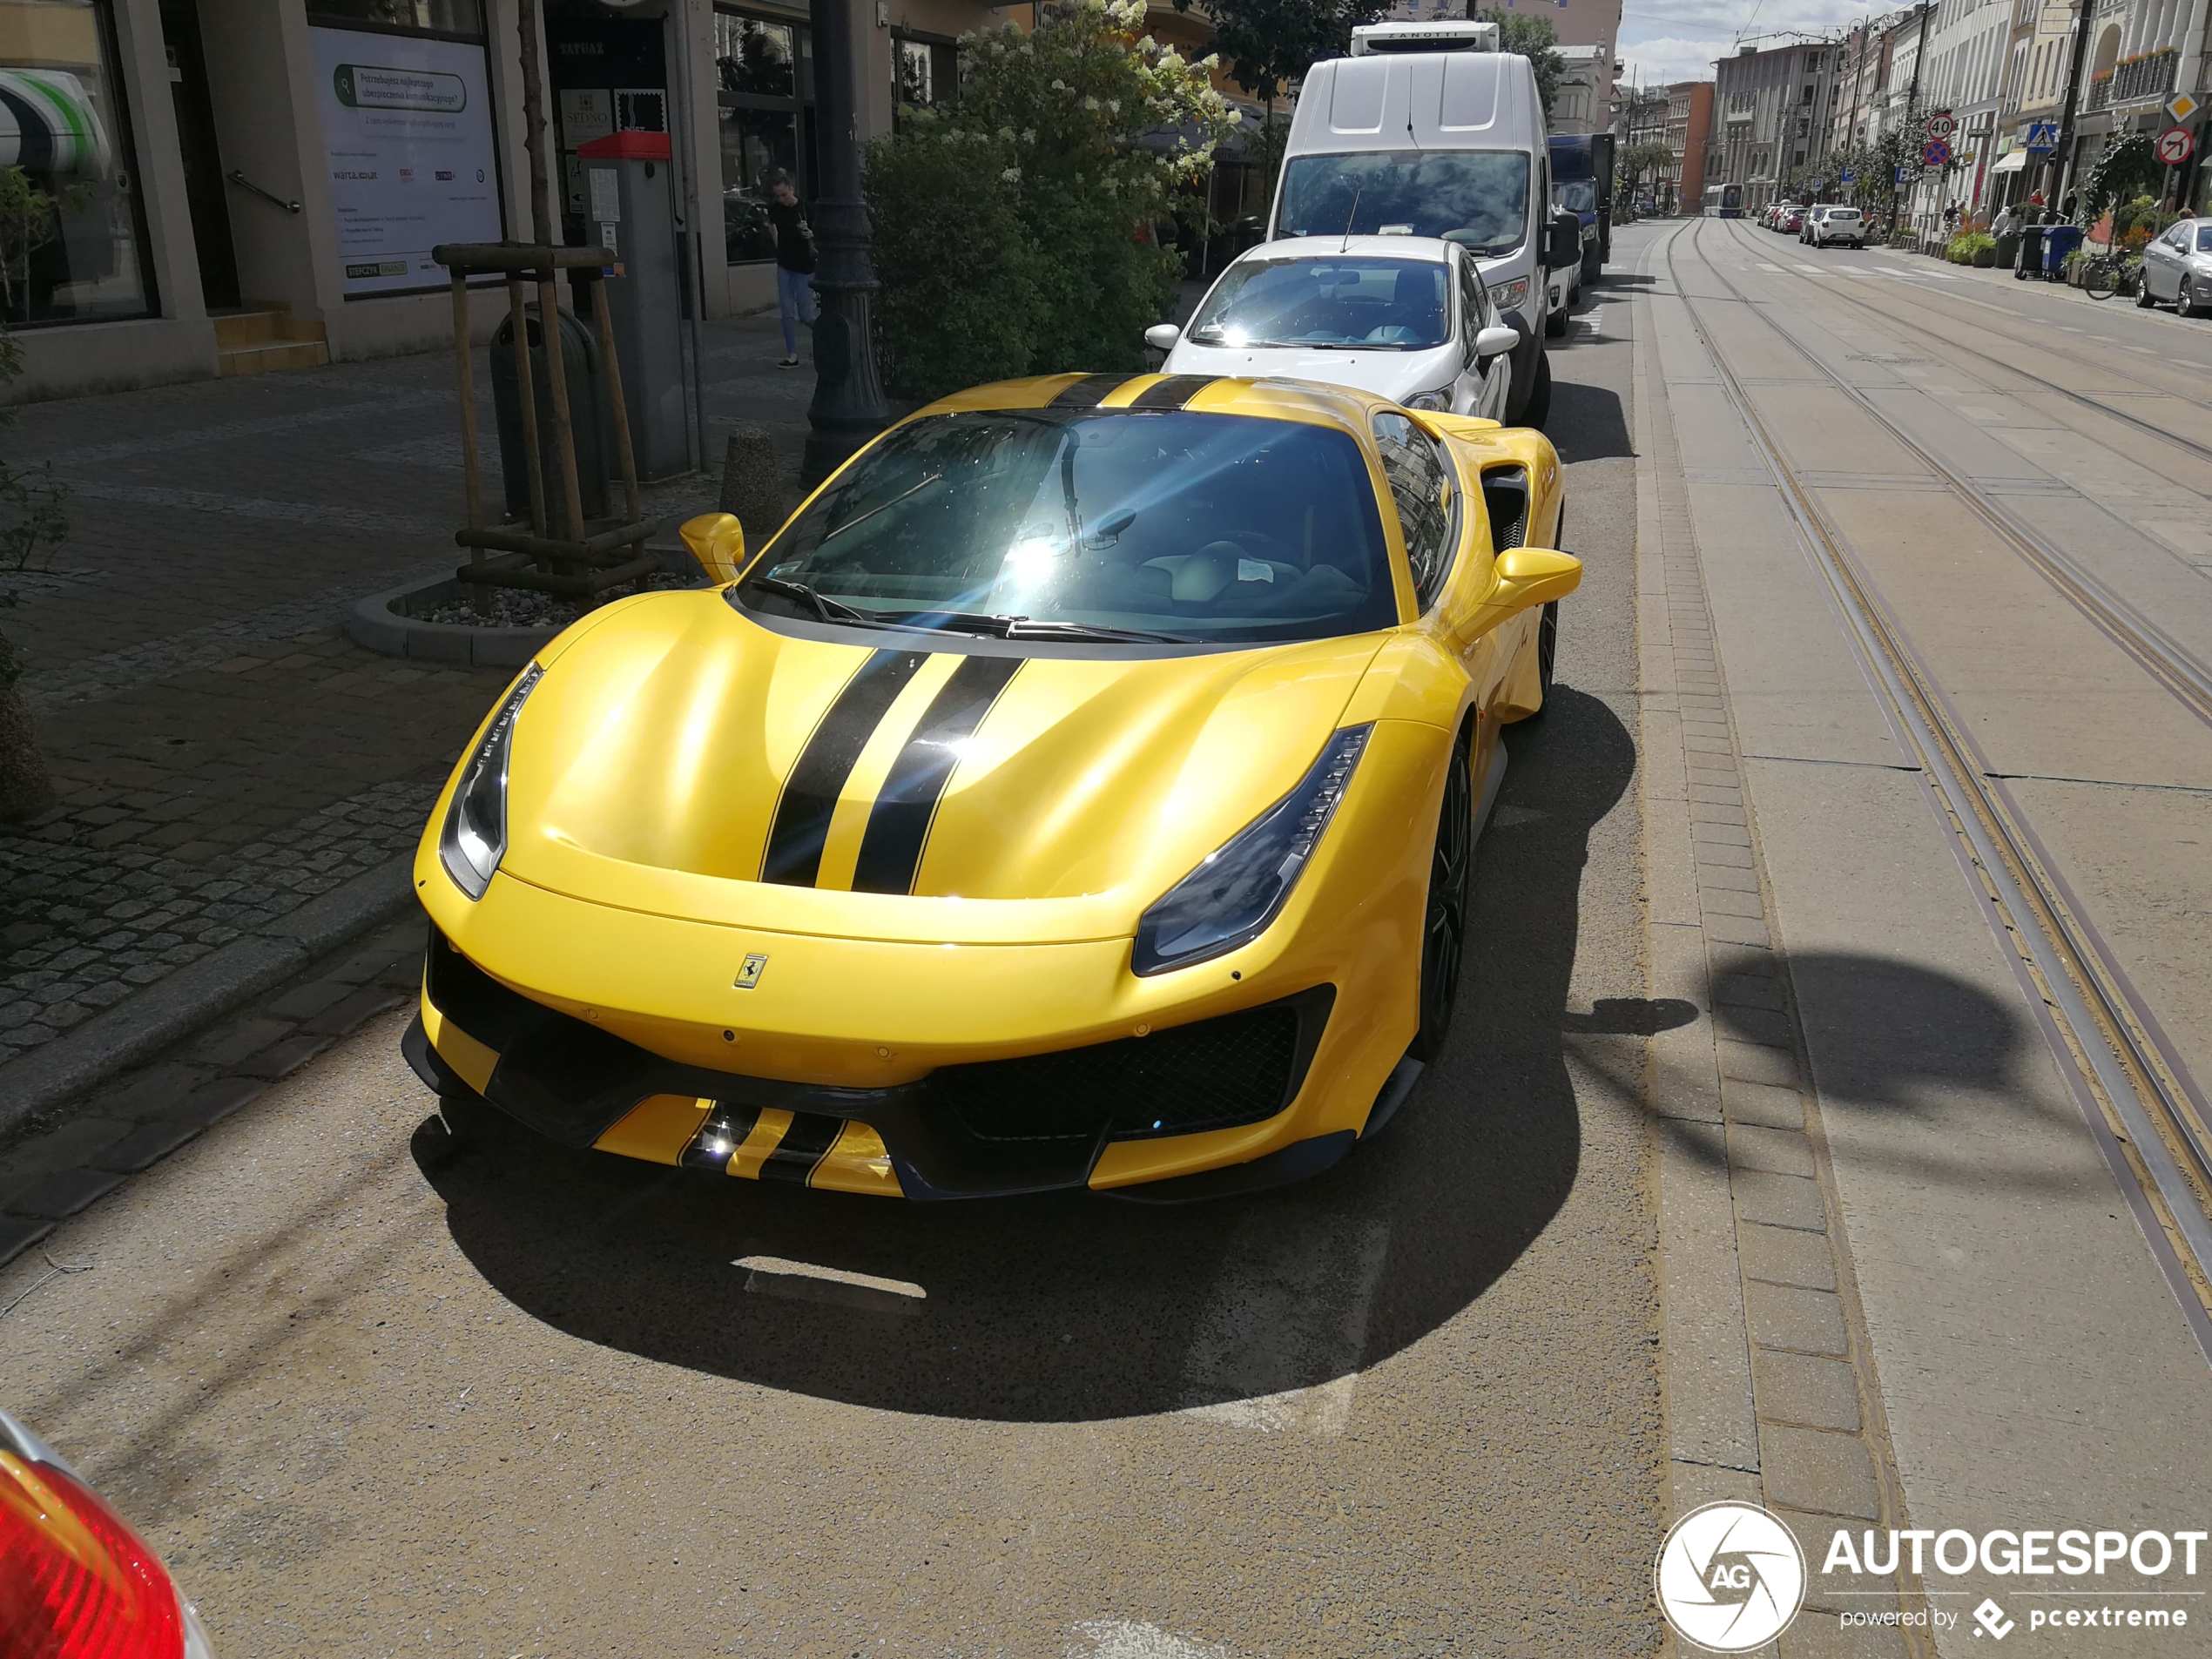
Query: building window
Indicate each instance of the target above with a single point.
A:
(766, 66)
(73, 232)
(927, 68)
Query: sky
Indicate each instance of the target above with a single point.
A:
(1677, 40)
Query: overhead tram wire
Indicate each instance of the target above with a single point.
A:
(2112, 1052)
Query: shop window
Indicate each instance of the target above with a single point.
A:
(72, 234)
(460, 19)
(764, 70)
(927, 71)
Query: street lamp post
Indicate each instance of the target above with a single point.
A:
(848, 408)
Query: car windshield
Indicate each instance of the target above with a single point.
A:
(1477, 197)
(1394, 305)
(1211, 529)
(1576, 195)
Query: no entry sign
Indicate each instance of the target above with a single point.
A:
(2175, 145)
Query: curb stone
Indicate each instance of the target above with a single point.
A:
(172, 1009)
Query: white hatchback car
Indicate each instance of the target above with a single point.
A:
(1408, 317)
(1837, 225)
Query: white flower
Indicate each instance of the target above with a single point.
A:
(1006, 135)
(1028, 135)
(1090, 103)
(1012, 175)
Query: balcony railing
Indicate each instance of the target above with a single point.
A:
(2148, 78)
(2101, 91)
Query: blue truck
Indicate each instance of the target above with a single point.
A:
(1582, 184)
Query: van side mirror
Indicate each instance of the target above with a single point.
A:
(1162, 336)
(1495, 340)
(716, 540)
(1565, 246)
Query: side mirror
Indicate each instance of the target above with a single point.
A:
(716, 540)
(1564, 245)
(1494, 341)
(1162, 336)
(1534, 575)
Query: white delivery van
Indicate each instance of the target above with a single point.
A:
(1427, 130)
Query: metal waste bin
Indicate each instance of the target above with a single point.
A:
(2030, 261)
(587, 409)
(2058, 240)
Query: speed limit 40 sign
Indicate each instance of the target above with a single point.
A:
(2175, 145)
(1941, 126)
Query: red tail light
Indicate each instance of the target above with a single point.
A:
(75, 1581)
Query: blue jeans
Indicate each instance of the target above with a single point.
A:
(794, 305)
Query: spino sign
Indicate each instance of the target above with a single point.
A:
(407, 130)
(1729, 1578)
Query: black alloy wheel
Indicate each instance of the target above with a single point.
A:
(1444, 919)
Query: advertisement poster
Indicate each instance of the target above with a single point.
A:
(407, 125)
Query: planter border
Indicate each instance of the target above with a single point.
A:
(382, 622)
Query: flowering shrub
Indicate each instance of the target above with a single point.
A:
(1008, 226)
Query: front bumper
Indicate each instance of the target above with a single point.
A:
(1030, 1124)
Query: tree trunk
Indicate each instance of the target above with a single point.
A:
(26, 789)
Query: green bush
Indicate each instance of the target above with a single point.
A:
(1008, 226)
(1962, 247)
(962, 300)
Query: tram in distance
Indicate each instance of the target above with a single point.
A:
(1723, 201)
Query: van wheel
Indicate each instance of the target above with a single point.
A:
(1538, 408)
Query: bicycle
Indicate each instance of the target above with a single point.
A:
(2106, 274)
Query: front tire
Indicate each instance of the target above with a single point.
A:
(1538, 409)
(1444, 916)
(2144, 302)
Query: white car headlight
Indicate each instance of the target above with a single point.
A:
(1235, 892)
(1507, 296)
(1439, 400)
(474, 838)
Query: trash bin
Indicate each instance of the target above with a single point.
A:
(587, 409)
(2030, 262)
(2058, 240)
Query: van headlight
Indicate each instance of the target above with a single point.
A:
(1231, 897)
(1509, 296)
(475, 836)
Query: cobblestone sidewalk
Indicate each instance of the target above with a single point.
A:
(222, 753)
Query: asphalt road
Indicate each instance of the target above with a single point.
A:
(532, 1403)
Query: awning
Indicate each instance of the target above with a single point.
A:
(2010, 161)
(47, 125)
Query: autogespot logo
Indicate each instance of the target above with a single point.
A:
(1729, 1578)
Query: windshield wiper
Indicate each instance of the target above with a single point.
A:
(1001, 627)
(827, 609)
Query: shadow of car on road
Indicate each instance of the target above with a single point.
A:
(1072, 1307)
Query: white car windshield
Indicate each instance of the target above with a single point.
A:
(1334, 303)
(1477, 197)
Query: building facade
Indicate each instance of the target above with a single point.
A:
(244, 184)
(1771, 110)
(1689, 121)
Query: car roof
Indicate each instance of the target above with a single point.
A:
(1432, 248)
(1305, 402)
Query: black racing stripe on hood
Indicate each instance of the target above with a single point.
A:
(898, 824)
(1173, 391)
(793, 857)
(806, 1143)
(1088, 392)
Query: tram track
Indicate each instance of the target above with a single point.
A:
(2143, 1106)
(2184, 675)
(2086, 401)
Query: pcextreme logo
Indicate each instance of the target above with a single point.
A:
(1729, 1577)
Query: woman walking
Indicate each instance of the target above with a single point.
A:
(794, 264)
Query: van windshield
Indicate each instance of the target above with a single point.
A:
(1477, 197)
(1576, 195)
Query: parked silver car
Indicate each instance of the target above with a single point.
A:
(2177, 269)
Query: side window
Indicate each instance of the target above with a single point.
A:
(1423, 487)
(1474, 302)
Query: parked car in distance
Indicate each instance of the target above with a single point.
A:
(1793, 219)
(1404, 316)
(1838, 225)
(1813, 215)
(2177, 269)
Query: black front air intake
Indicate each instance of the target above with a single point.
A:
(1232, 1069)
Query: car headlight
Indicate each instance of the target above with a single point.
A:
(1439, 400)
(475, 836)
(1508, 296)
(1231, 897)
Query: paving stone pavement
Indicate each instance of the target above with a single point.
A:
(223, 753)
(70, 1156)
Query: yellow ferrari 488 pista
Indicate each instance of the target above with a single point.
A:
(1081, 789)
